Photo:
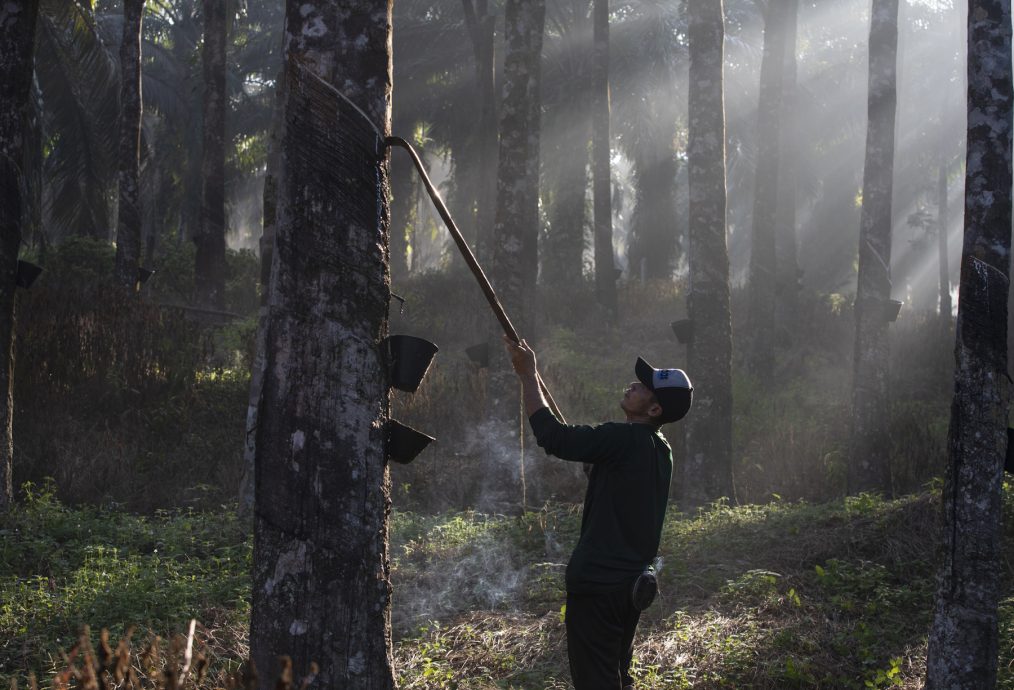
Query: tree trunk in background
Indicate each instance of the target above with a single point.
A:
(963, 642)
(707, 474)
(654, 230)
(763, 263)
(787, 281)
(128, 225)
(942, 223)
(654, 218)
(515, 249)
(267, 249)
(482, 30)
(869, 459)
(321, 572)
(605, 262)
(17, 44)
(563, 249)
(209, 266)
(562, 254)
(516, 231)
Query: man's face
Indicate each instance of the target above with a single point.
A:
(639, 400)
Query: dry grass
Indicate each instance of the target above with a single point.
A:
(767, 597)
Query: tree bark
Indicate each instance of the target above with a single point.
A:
(763, 261)
(209, 268)
(869, 468)
(963, 641)
(267, 248)
(482, 31)
(787, 281)
(563, 251)
(707, 474)
(654, 219)
(321, 571)
(515, 233)
(515, 251)
(563, 248)
(17, 44)
(605, 262)
(943, 221)
(651, 144)
(128, 224)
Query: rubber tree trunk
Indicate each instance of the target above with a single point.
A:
(482, 32)
(707, 473)
(128, 225)
(267, 249)
(209, 266)
(869, 461)
(563, 249)
(654, 220)
(763, 262)
(652, 247)
(17, 46)
(605, 262)
(963, 641)
(515, 233)
(321, 571)
(787, 280)
(515, 251)
(943, 220)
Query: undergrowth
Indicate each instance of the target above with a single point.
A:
(61, 567)
(779, 595)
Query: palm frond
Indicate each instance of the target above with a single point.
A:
(78, 79)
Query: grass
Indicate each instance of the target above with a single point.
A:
(62, 567)
(781, 595)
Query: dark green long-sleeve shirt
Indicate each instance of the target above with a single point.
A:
(625, 504)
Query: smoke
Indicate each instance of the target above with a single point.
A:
(245, 212)
(490, 560)
(489, 573)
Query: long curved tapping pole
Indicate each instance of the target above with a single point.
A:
(473, 265)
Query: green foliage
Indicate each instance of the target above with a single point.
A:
(60, 567)
(115, 390)
(775, 596)
(182, 447)
(78, 262)
(173, 281)
(243, 269)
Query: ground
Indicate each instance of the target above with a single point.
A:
(781, 595)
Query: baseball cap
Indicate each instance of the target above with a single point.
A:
(671, 387)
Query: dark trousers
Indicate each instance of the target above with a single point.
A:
(600, 639)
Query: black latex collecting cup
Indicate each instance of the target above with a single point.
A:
(408, 359)
(404, 443)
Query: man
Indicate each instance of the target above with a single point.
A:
(608, 578)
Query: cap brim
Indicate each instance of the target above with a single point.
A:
(645, 373)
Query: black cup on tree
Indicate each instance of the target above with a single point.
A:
(479, 353)
(27, 273)
(408, 359)
(1008, 464)
(404, 443)
(683, 330)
